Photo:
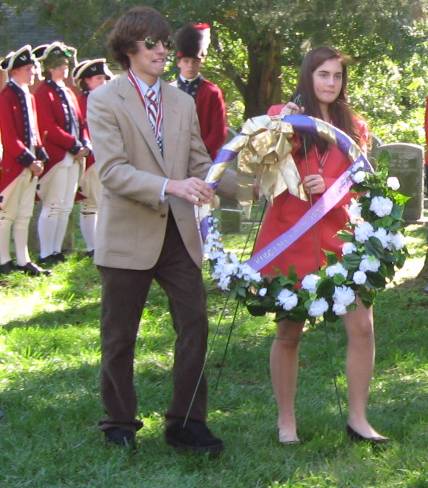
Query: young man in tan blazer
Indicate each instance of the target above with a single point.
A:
(151, 162)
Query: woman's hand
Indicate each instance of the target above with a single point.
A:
(314, 184)
(291, 108)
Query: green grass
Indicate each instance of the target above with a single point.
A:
(49, 366)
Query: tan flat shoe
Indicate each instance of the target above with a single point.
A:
(285, 440)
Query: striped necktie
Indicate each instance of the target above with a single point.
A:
(154, 116)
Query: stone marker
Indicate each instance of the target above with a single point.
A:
(407, 164)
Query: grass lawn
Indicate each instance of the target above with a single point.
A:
(49, 366)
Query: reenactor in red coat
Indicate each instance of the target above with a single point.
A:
(22, 161)
(87, 76)
(192, 43)
(67, 143)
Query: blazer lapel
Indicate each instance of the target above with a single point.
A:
(171, 123)
(136, 109)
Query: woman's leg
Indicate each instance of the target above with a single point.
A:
(284, 366)
(359, 366)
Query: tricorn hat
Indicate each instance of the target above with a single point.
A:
(193, 40)
(16, 59)
(55, 52)
(91, 67)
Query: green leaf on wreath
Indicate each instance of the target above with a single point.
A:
(256, 310)
(325, 288)
(345, 236)
(374, 247)
(397, 211)
(351, 261)
(367, 296)
(375, 279)
(401, 199)
(382, 162)
(331, 257)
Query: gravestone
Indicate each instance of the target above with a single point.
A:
(407, 164)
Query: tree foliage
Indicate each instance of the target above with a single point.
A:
(257, 45)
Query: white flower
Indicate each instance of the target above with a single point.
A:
(396, 240)
(359, 277)
(318, 307)
(381, 206)
(339, 308)
(383, 236)
(248, 273)
(359, 176)
(369, 263)
(343, 295)
(309, 282)
(336, 269)
(354, 212)
(224, 283)
(348, 248)
(393, 183)
(287, 299)
(363, 231)
(262, 292)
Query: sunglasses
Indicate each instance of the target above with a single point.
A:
(150, 43)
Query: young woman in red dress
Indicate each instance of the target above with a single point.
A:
(322, 87)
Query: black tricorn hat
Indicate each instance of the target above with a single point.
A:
(91, 67)
(16, 59)
(192, 40)
(40, 50)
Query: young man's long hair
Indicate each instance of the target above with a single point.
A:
(341, 114)
(135, 25)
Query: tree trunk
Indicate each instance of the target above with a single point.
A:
(264, 79)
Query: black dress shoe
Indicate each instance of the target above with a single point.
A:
(120, 437)
(195, 436)
(47, 260)
(355, 436)
(7, 268)
(33, 270)
(59, 257)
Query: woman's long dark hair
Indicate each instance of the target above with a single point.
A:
(340, 112)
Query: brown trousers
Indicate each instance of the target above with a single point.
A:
(124, 293)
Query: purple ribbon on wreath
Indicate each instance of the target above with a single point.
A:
(311, 125)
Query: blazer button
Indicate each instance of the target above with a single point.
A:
(163, 215)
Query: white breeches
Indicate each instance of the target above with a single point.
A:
(91, 188)
(57, 191)
(16, 210)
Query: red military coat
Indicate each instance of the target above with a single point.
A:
(306, 254)
(83, 105)
(211, 112)
(54, 124)
(16, 152)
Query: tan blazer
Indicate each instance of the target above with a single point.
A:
(132, 219)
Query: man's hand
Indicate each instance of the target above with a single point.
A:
(83, 152)
(36, 167)
(314, 184)
(193, 190)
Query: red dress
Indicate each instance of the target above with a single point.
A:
(306, 254)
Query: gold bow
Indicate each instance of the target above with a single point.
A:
(266, 153)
